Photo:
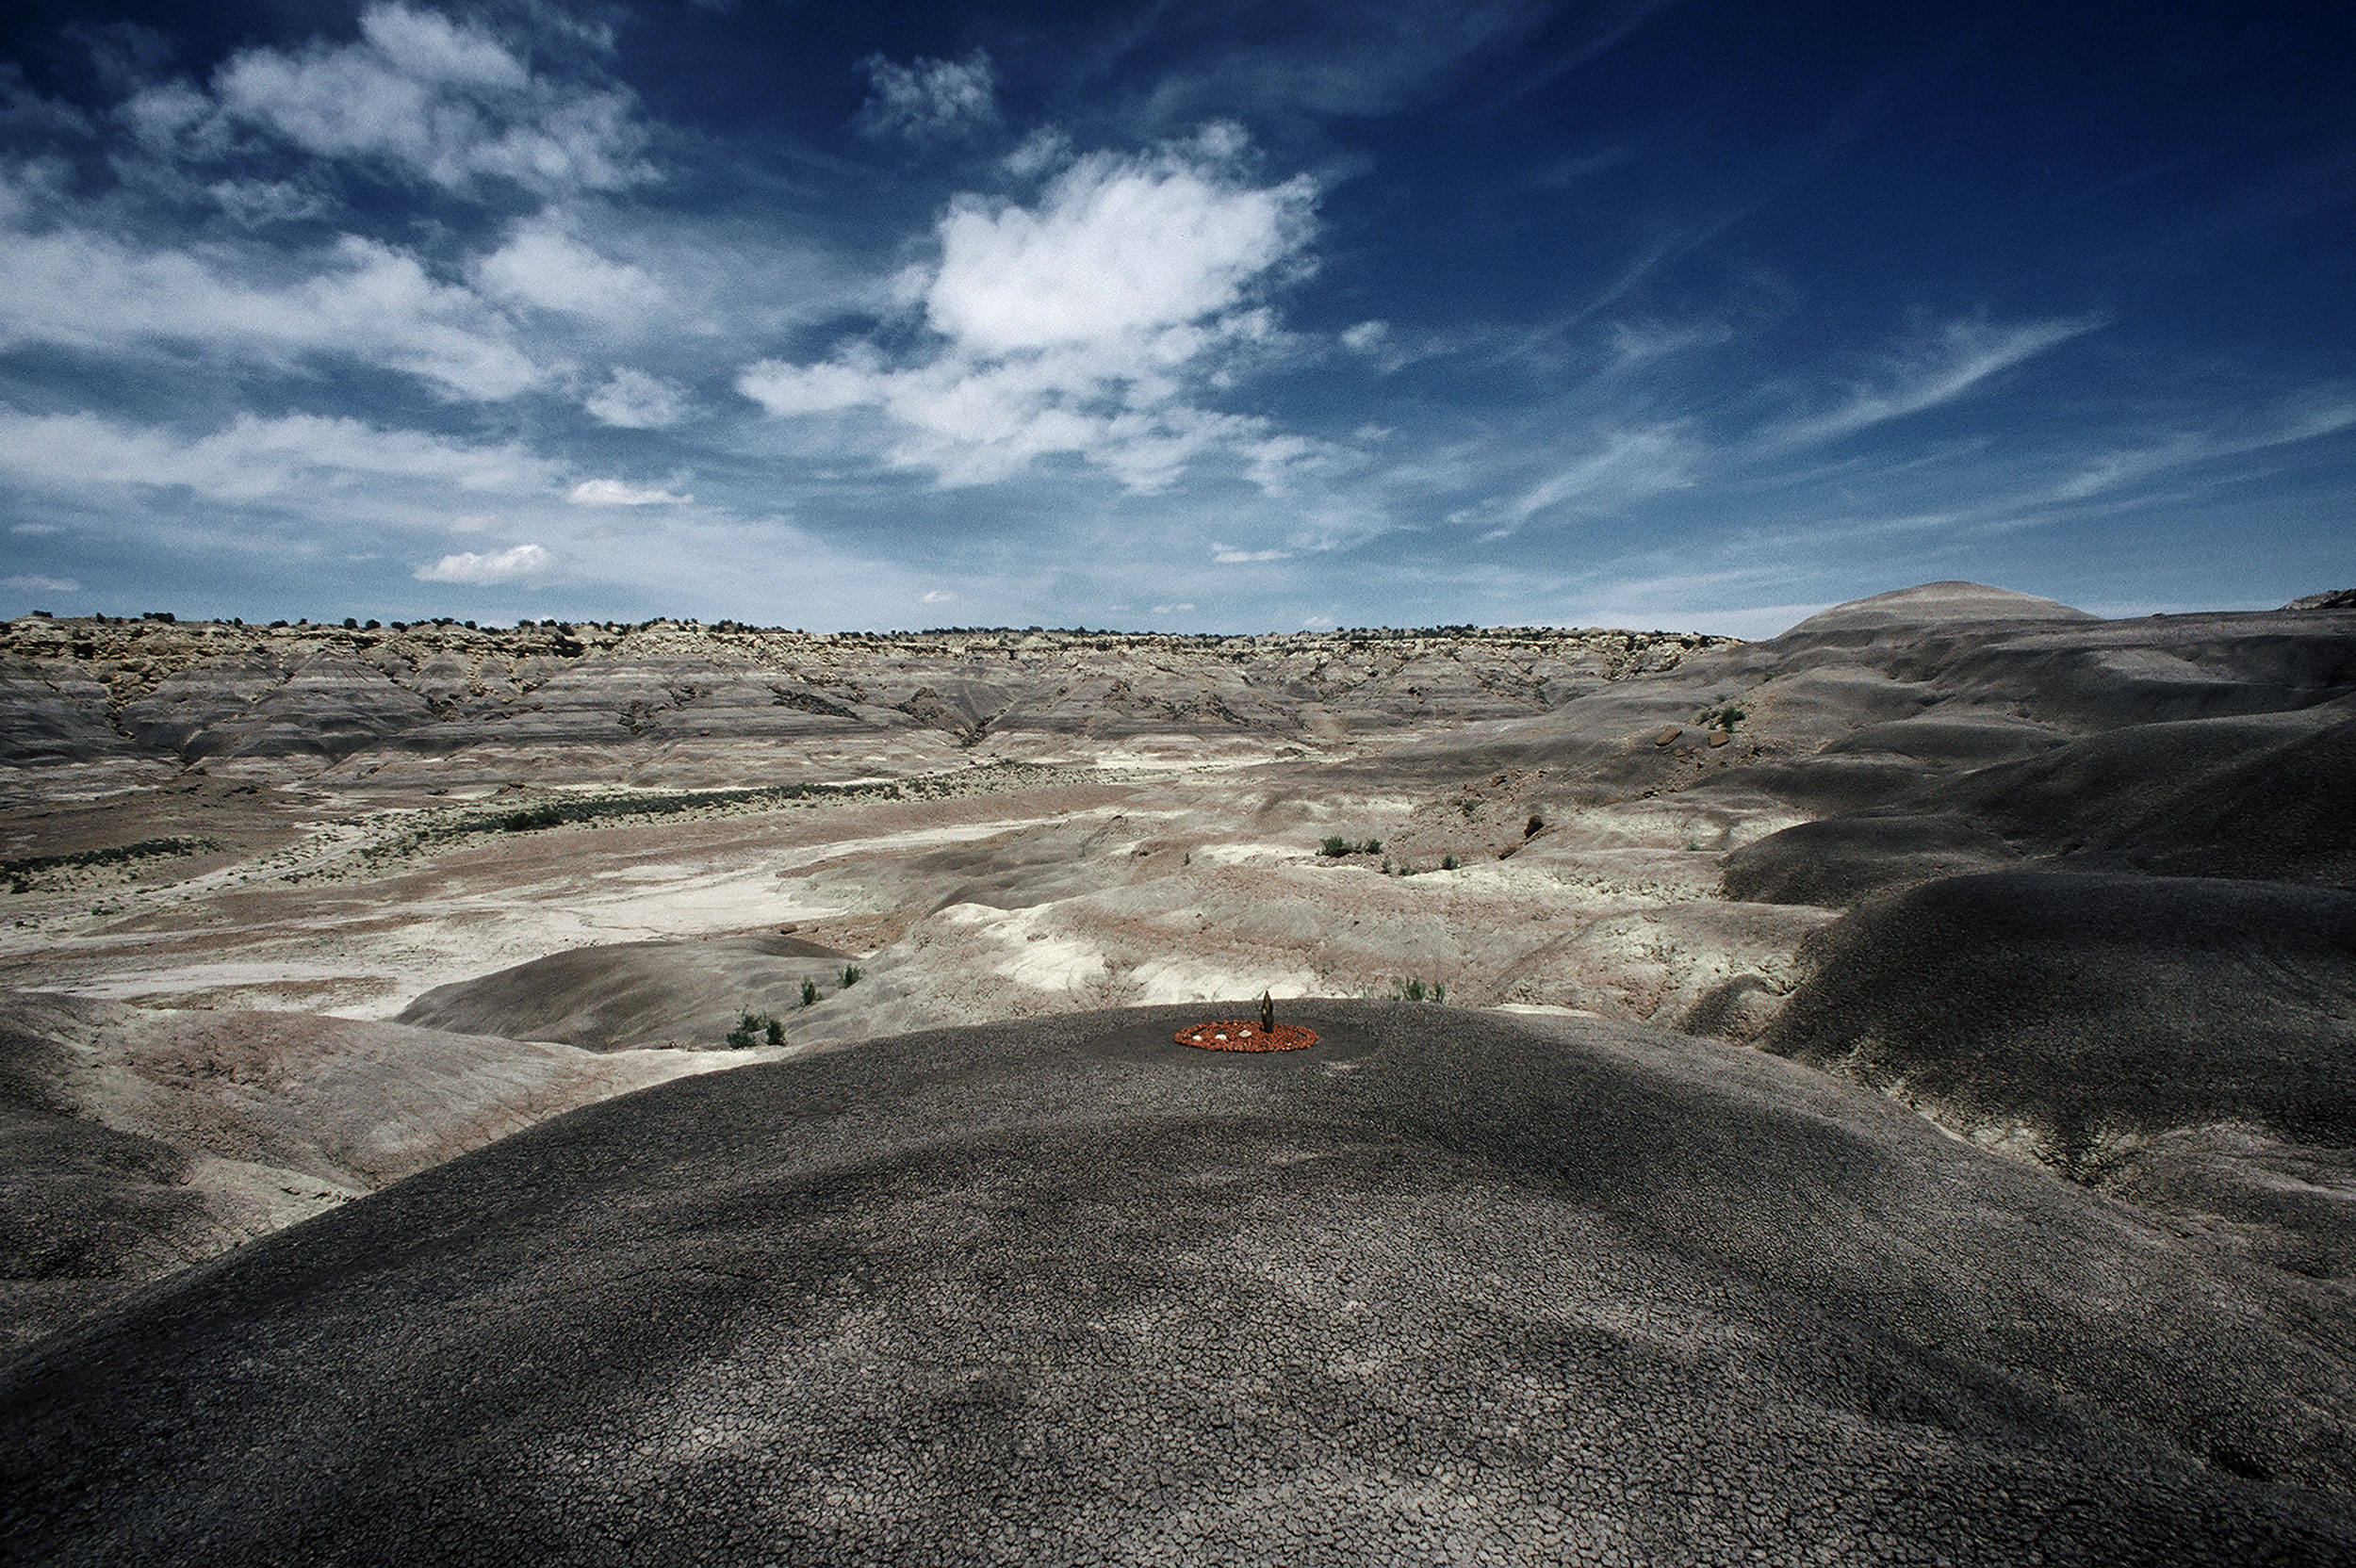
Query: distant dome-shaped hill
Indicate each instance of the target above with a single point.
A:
(1931, 603)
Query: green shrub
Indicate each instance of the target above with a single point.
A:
(753, 1029)
(810, 992)
(1372, 846)
(851, 974)
(1413, 989)
(1725, 716)
(1335, 847)
(1450, 862)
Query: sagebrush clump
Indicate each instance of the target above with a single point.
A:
(1725, 716)
(753, 1029)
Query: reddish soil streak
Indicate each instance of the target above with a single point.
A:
(1240, 1035)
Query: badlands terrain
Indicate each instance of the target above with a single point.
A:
(1883, 1093)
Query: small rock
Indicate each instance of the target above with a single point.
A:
(1667, 737)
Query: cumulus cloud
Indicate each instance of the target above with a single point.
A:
(612, 492)
(632, 400)
(254, 459)
(516, 563)
(434, 101)
(1086, 324)
(360, 299)
(927, 99)
(542, 267)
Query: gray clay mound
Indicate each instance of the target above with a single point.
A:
(2076, 1003)
(1442, 1288)
(2261, 797)
(1842, 860)
(2187, 1044)
(619, 996)
(133, 1142)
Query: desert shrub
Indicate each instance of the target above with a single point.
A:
(1450, 862)
(753, 1029)
(1336, 846)
(852, 974)
(1725, 716)
(1413, 989)
(19, 870)
(810, 992)
(1372, 846)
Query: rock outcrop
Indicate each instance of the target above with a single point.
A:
(681, 703)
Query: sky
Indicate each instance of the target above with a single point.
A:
(1159, 315)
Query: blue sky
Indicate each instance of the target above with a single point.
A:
(1196, 316)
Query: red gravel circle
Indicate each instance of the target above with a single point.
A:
(1235, 1034)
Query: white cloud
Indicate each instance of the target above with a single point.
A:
(542, 266)
(2318, 416)
(1931, 369)
(632, 400)
(1122, 250)
(254, 459)
(938, 596)
(35, 529)
(1046, 148)
(1084, 325)
(928, 99)
(1228, 555)
(35, 583)
(1171, 609)
(1366, 337)
(361, 298)
(1624, 466)
(612, 492)
(258, 203)
(518, 563)
(436, 100)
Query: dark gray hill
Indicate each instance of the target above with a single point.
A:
(2113, 1026)
(2263, 798)
(2077, 1002)
(1442, 1288)
(1839, 860)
